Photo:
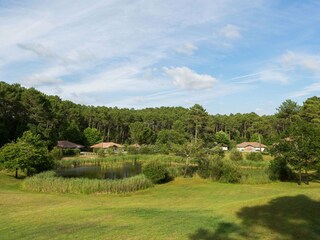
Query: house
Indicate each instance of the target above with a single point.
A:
(251, 147)
(105, 145)
(68, 145)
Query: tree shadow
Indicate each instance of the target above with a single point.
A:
(224, 231)
(294, 217)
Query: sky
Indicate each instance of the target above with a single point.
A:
(228, 56)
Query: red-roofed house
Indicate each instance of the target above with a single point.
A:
(251, 147)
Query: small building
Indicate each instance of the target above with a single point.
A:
(136, 145)
(64, 144)
(105, 145)
(251, 147)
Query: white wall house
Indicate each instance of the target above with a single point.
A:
(251, 147)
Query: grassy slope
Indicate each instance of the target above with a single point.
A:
(183, 209)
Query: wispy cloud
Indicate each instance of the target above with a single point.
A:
(230, 32)
(313, 88)
(187, 49)
(298, 60)
(185, 78)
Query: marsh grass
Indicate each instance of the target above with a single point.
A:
(254, 175)
(49, 182)
(119, 159)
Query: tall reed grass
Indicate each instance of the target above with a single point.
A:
(254, 175)
(49, 182)
(119, 159)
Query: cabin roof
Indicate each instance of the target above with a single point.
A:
(252, 144)
(107, 145)
(68, 144)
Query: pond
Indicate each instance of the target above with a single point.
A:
(124, 170)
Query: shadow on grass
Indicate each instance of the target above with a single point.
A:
(296, 217)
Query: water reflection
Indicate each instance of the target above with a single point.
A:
(102, 172)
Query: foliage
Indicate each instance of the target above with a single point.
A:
(225, 171)
(24, 109)
(197, 120)
(235, 155)
(222, 138)
(28, 154)
(56, 153)
(254, 156)
(100, 152)
(49, 182)
(71, 152)
(301, 150)
(141, 133)
(91, 136)
(255, 175)
(217, 150)
(279, 170)
(156, 171)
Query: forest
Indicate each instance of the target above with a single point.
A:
(23, 109)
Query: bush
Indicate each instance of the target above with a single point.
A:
(226, 171)
(217, 150)
(56, 153)
(254, 175)
(219, 170)
(71, 152)
(279, 170)
(235, 155)
(156, 171)
(100, 152)
(254, 156)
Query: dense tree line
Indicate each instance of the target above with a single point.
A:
(23, 109)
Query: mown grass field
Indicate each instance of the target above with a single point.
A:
(189, 208)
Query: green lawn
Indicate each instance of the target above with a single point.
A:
(189, 208)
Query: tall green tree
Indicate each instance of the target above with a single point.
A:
(91, 136)
(197, 120)
(140, 133)
(29, 153)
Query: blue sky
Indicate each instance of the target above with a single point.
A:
(229, 56)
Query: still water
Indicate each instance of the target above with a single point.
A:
(101, 172)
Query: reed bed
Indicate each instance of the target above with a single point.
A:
(119, 159)
(254, 175)
(49, 182)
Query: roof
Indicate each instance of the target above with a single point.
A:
(107, 145)
(68, 144)
(136, 145)
(252, 144)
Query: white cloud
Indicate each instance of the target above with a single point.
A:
(305, 61)
(187, 49)
(315, 87)
(39, 49)
(273, 76)
(40, 80)
(230, 32)
(185, 78)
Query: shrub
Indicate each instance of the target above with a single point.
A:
(49, 182)
(217, 150)
(279, 170)
(254, 156)
(235, 155)
(219, 170)
(156, 171)
(56, 153)
(254, 175)
(205, 166)
(226, 171)
(71, 152)
(100, 152)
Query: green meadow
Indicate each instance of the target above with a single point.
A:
(186, 208)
